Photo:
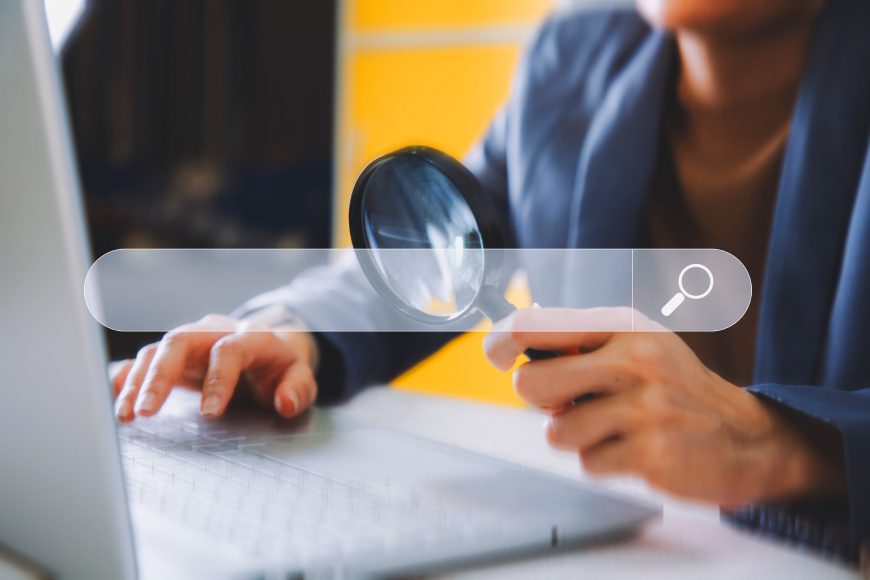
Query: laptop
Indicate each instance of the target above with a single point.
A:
(245, 496)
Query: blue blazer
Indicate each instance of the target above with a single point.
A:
(569, 161)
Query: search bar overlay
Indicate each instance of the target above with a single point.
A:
(429, 290)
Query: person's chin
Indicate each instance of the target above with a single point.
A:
(696, 15)
(727, 18)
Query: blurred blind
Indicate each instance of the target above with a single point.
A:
(204, 122)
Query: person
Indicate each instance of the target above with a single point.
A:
(740, 125)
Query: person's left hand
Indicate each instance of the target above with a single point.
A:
(659, 412)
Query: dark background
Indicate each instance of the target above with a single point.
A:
(203, 123)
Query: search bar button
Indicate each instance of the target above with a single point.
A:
(681, 296)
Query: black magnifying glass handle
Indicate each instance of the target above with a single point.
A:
(535, 354)
(494, 306)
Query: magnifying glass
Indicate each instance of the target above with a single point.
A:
(421, 199)
(680, 297)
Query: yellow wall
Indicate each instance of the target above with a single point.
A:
(382, 15)
(428, 72)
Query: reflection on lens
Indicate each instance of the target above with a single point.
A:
(409, 204)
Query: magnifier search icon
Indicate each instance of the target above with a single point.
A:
(681, 296)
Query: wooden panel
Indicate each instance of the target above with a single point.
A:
(383, 15)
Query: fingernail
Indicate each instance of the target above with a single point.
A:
(122, 410)
(281, 404)
(211, 405)
(147, 403)
(295, 399)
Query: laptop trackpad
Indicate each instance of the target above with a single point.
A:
(375, 456)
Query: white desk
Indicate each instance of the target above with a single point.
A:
(689, 541)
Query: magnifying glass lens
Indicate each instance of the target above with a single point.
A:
(424, 219)
(423, 237)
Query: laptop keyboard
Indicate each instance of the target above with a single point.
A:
(217, 482)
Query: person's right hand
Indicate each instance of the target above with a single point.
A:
(215, 354)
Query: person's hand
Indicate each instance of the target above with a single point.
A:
(215, 354)
(657, 412)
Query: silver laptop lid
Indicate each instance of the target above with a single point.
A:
(61, 492)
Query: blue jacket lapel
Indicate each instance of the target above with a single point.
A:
(820, 175)
(619, 152)
(848, 346)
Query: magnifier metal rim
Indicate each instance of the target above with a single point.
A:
(465, 183)
(683, 289)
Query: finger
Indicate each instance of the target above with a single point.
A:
(614, 457)
(132, 383)
(168, 366)
(229, 356)
(297, 390)
(118, 372)
(593, 422)
(553, 383)
(559, 329)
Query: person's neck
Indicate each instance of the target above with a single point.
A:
(744, 87)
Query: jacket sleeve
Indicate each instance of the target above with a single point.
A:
(839, 528)
(349, 322)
